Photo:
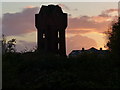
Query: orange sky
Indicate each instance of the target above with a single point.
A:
(82, 31)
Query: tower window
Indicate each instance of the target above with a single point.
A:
(43, 35)
(58, 35)
(58, 46)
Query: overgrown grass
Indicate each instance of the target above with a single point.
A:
(33, 70)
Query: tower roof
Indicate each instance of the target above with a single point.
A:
(50, 9)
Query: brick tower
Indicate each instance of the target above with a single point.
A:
(51, 23)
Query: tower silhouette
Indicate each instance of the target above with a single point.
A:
(51, 23)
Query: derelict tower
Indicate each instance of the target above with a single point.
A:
(51, 23)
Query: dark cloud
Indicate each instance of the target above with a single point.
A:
(23, 22)
(20, 22)
(99, 23)
(77, 42)
(111, 10)
(93, 23)
(106, 13)
(78, 22)
(0, 27)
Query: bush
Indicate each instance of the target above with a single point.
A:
(34, 70)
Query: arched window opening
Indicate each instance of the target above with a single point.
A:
(43, 35)
(58, 46)
(58, 35)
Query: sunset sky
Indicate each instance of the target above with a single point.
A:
(87, 22)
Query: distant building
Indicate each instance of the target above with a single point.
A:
(100, 52)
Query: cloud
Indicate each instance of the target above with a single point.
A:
(64, 6)
(0, 27)
(99, 23)
(77, 31)
(24, 22)
(88, 24)
(22, 45)
(101, 19)
(111, 10)
(30, 6)
(73, 43)
(0, 21)
(20, 22)
(77, 42)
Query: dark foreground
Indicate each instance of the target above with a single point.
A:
(31, 70)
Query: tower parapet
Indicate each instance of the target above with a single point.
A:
(51, 23)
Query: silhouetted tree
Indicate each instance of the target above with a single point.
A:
(8, 46)
(3, 43)
(114, 38)
(11, 45)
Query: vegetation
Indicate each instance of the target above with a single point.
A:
(114, 38)
(8, 46)
(30, 70)
(33, 70)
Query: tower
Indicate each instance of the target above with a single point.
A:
(51, 23)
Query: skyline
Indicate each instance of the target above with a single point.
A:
(97, 19)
